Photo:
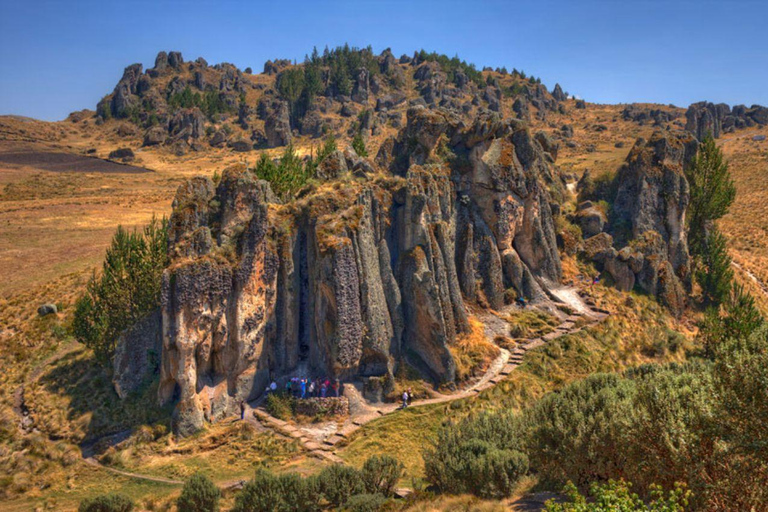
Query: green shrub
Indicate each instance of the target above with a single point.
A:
(338, 483)
(618, 496)
(111, 502)
(482, 455)
(280, 405)
(381, 474)
(263, 493)
(365, 503)
(358, 144)
(199, 494)
(288, 175)
(126, 291)
(299, 494)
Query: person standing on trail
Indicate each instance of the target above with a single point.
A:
(242, 410)
(405, 399)
(337, 387)
(303, 388)
(312, 389)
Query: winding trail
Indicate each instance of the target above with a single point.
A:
(323, 445)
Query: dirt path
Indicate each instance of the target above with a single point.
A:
(323, 443)
(762, 286)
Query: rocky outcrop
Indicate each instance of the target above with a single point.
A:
(352, 282)
(707, 119)
(277, 123)
(558, 93)
(648, 221)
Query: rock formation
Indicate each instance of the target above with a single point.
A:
(352, 280)
(648, 221)
(705, 118)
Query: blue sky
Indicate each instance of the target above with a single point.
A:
(57, 56)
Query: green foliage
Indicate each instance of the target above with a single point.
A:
(288, 175)
(290, 85)
(338, 483)
(713, 271)
(210, 102)
(616, 496)
(738, 318)
(712, 192)
(111, 502)
(199, 494)
(482, 456)
(280, 405)
(380, 474)
(298, 494)
(127, 289)
(365, 503)
(358, 144)
(452, 65)
(104, 108)
(263, 493)
(587, 417)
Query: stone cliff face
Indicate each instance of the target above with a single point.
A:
(648, 221)
(356, 276)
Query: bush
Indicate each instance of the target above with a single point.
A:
(287, 176)
(482, 455)
(358, 144)
(289, 492)
(299, 494)
(199, 494)
(111, 502)
(338, 483)
(127, 289)
(617, 496)
(365, 503)
(381, 474)
(280, 405)
(263, 493)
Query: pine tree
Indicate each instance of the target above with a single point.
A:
(712, 192)
(714, 273)
(358, 144)
(127, 289)
(738, 319)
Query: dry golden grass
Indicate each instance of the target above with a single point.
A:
(472, 351)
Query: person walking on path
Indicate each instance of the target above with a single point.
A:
(303, 388)
(405, 399)
(312, 389)
(242, 410)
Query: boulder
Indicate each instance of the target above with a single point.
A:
(154, 136)
(219, 139)
(520, 107)
(124, 154)
(47, 309)
(187, 123)
(332, 166)
(277, 126)
(591, 219)
(241, 146)
(390, 101)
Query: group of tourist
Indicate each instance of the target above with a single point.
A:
(309, 388)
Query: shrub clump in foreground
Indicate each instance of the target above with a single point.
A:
(111, 502)
(200, 494)
(337, 486)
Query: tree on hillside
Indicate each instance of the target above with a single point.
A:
(737, 319)
(358, 144)
(127, 289)
(712, 192)
(714, 272)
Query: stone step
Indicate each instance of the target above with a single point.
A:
(312, 446)
(552, 336)
(347, 430)
(333, 440)
(508, 369)
(567, 326)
